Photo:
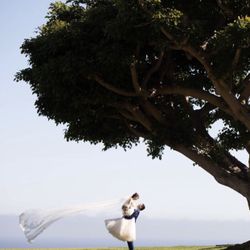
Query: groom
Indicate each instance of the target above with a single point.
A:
(130, 211)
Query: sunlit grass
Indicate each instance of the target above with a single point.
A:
(124, 248)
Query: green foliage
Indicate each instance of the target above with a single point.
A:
(85, 39)
(235, 35)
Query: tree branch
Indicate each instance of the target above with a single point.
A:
(235, 61)
(112, 88)
(134, 76)
(167, 34)
(134, 131)
(245, 94)
(248, 151)
(220, 174)
(238, 166)
(153, 69)
(200, 56)
(138, 114)
(236, 58)
(153, 111)
(239, 111)
(200, 94)
(127, 115)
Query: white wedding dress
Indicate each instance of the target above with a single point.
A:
(34, 222)
(121, 228)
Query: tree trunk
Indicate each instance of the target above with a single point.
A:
(243, 246)
(230, 176)
(239, 183)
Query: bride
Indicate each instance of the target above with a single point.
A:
(124, 228)
(34, 222)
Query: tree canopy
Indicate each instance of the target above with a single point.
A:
(118, 72)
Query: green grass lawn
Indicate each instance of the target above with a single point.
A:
(163, 248)
(137, 248)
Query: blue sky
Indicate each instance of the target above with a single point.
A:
(39, 169)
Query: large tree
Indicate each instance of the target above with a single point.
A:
(120, 72)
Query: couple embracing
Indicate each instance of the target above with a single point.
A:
(124, 228)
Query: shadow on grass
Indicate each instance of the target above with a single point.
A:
(218, 247)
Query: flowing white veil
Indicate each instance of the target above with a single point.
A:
(34, 221)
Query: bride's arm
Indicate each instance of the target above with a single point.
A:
(130, 201)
